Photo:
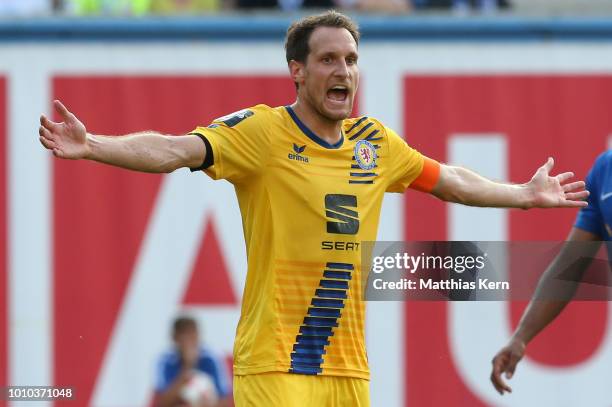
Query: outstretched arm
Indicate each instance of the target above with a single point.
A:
(463, 186)
(549, 300)
(146, 151)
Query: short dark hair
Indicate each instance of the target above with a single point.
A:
(183, 323)
(298, 34)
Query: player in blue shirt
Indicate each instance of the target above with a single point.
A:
(187, 363)
(593, 224)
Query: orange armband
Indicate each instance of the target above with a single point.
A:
(430, 174)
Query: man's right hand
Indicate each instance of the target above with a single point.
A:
(67, 139)
(505, 361)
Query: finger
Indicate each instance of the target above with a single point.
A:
(574, 204)
(47, 143)
(564, 177)
(61, 109)
(497, 380)
(577, 196)
(58, 153)
(496, 385)
(48, 123)
(550, 163)
(574, 186)
(43, 132)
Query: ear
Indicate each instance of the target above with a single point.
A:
(296, 70)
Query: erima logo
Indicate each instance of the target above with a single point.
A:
(297, 157)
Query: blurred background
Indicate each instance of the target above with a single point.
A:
(96, 262)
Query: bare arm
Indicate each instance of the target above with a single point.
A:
(146, 151)
(463, 186)
(543, 309)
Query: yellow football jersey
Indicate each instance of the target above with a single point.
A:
(306, 207)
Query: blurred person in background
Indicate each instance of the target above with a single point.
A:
(380, 6)
(168, 7)
(189, 375)
(285, 5)
(376, 6)
(141, 7)
(593, 224)
(462, 6)
(25, 8)
(107, 7)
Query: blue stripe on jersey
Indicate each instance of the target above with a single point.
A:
(341, 266)
(356, 167)
(316, 331)
(321, 302)
(360, 182)
(334, 284)
(370, 137)
(363, 174)
(310, 360)
(300, 369)
(312, 340)
(360, 132)
(321, 319)
(357, 123)
(308, 351)
(324, 312)
(344, 275)
(330, 293)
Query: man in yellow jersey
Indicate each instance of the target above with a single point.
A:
(310, 183)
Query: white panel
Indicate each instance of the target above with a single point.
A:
(466, 150)
(385, 323)
(29, 247)
(382, 99)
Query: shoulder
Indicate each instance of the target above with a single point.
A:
(364, 128)
(168, 358)
(207, 355)
(601, 170)
(603, 161)
(248, 116)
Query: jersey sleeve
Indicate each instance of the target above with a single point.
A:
(163, 376)
(589, 218)
(409, 168)
(239, 145)
(220, 376)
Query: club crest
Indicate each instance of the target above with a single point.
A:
(365, 155)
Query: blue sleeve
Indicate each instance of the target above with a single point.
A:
(217, 370)
(589, 218)
(163, 375)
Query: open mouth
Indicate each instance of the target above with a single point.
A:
(338, 93)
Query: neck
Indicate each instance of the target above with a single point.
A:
(327, 129)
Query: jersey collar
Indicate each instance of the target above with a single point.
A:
(310, 134)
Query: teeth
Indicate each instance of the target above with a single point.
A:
(339, 88)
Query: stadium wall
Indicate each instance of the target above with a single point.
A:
(99, 260)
